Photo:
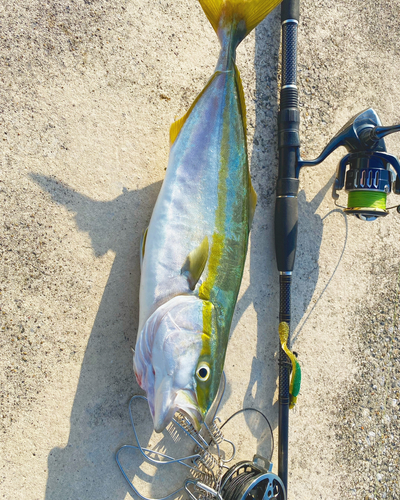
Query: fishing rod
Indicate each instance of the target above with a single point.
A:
(367, 173)
(286, 213)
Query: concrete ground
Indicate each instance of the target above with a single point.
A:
(88, 89)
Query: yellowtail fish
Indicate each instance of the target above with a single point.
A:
(194, 249)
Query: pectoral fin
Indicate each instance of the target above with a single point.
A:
(143, 245)
(195, 263)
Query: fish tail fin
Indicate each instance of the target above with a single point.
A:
(238, 17)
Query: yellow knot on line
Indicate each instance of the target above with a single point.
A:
(295, 380)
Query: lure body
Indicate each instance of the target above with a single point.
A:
(196, 243)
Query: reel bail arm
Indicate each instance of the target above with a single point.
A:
(365, 172)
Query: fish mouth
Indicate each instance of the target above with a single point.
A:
(185, 402)
(193, 415)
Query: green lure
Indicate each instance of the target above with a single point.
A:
(295, 380)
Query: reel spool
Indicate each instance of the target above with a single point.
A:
(367, 183)
(368, 173)
(249, 481)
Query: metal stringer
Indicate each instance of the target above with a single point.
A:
(209, 473)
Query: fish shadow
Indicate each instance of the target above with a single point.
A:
(99, 424)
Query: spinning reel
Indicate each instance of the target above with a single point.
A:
(210, 475)
(249, 480)
(368, 173)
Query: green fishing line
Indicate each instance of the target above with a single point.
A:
(367, 199)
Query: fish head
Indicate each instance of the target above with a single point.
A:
(173, 361)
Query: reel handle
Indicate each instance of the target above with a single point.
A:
(368, 179)
(371, 136)
(338, 183)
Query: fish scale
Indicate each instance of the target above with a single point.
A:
(196, 244)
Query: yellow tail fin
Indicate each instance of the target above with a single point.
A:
(244, 15)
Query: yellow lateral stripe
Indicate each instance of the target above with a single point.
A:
(213, 262)
(218, 239)
(206, 348)
(207, 315)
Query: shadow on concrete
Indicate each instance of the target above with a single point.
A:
(302, 288)
(86, 468)
(263, 291)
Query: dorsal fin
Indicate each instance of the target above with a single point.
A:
(143, 245)
(252, 194)
(178, 124)
(195, 263)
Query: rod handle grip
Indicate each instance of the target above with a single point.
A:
(286, 222)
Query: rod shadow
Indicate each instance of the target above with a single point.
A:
(85, 468)
(263, 291)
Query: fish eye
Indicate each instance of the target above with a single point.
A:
(203, 371)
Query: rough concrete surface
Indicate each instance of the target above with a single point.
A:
(88, 89)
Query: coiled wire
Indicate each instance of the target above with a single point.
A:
(205, 464)
(216, 433)
(237, 485)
